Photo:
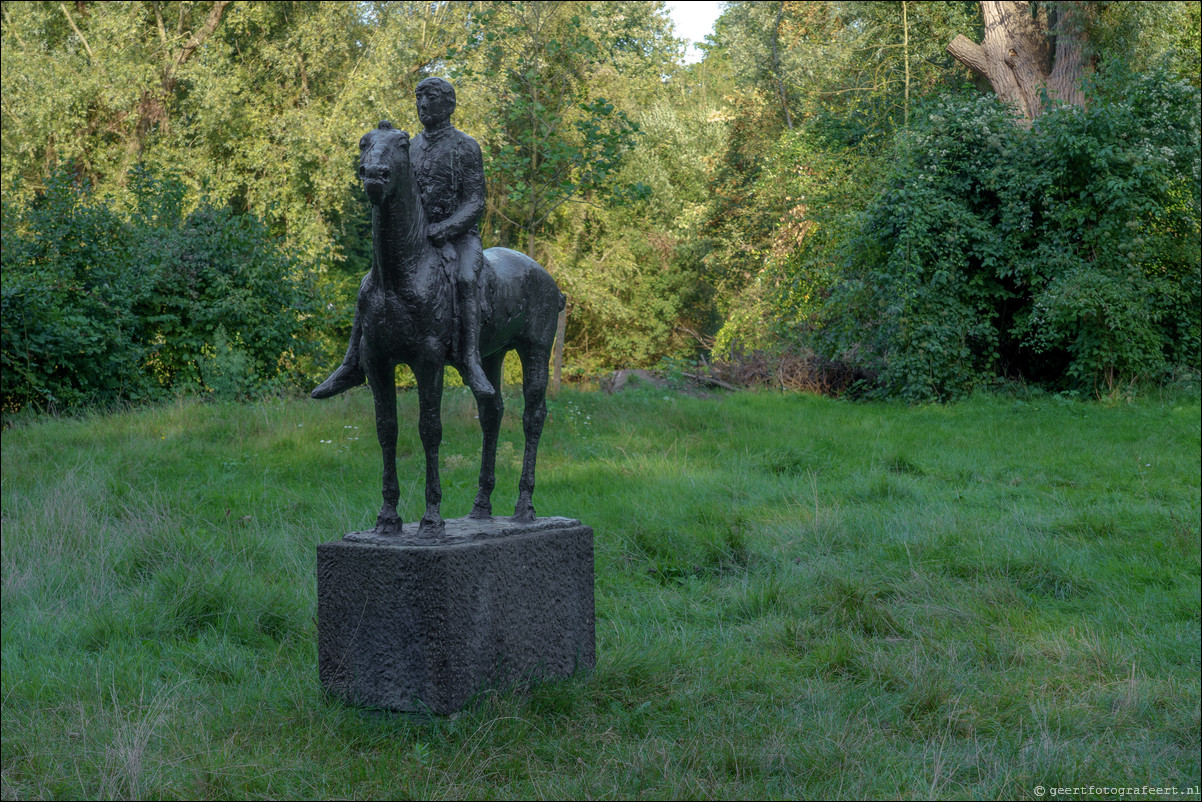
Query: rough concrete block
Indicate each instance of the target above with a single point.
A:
(421, 625)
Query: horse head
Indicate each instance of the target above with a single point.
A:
(383, 161)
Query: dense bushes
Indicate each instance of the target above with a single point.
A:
(1066, 253)
(102, 304)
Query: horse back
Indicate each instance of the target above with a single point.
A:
(519, 303)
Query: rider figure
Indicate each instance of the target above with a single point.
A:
(449, 170)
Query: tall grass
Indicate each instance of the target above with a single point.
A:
(796, 597)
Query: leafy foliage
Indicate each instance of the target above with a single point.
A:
(712, 206)
(553, 140)
(635, 272)
(571, 172)
(101, 305)
(822, 88)
(1059, 254)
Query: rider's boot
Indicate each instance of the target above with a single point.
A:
(469, 315)
(349, 373)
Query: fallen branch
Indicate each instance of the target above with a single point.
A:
(710, 380)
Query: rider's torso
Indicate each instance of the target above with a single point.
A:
(439, 163)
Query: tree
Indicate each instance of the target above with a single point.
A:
(1033, 53)
(1059, 250)
(820, 86)
(553, 140)
(1030, 51)
(257, 105)
(94, 83)
(635, 270)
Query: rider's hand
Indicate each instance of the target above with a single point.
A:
(436, 234)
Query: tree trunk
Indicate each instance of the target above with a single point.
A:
(906, 56)
(1017, 59)
(780, 84)
(557, 364)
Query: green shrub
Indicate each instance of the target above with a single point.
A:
(71, 287)
(101, 305)
(1066, 253)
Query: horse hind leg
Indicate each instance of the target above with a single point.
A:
(534, 390)
(491, 409)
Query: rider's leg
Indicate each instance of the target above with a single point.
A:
(471, 259)
(349, 373)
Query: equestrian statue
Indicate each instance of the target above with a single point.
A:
(434, 297)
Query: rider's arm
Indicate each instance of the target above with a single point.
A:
(471, 181)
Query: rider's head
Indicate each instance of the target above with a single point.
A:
(435, 101)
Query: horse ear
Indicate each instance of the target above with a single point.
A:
(384, 124)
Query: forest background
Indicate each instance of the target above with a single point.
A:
(852, 183)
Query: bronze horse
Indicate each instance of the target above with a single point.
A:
(407, 316)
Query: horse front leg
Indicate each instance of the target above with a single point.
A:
(383, 390)
(491, 409)
(429, 394)
(534, 389)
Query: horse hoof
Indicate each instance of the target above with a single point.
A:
(481, 512)
(388, 524)
(524, 515)
(431, 528)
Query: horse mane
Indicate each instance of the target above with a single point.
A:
(388, 126)
(385, 125)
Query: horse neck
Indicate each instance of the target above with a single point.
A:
(399, 243)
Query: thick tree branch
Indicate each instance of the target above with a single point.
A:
(158, 18)
(970, 54)
(79, 33)
(1064, 84)
(195, 41)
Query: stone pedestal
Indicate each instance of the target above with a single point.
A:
(421, 625)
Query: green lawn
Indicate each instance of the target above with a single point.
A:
(796, 597)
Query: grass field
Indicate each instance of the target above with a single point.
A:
(796, 597)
